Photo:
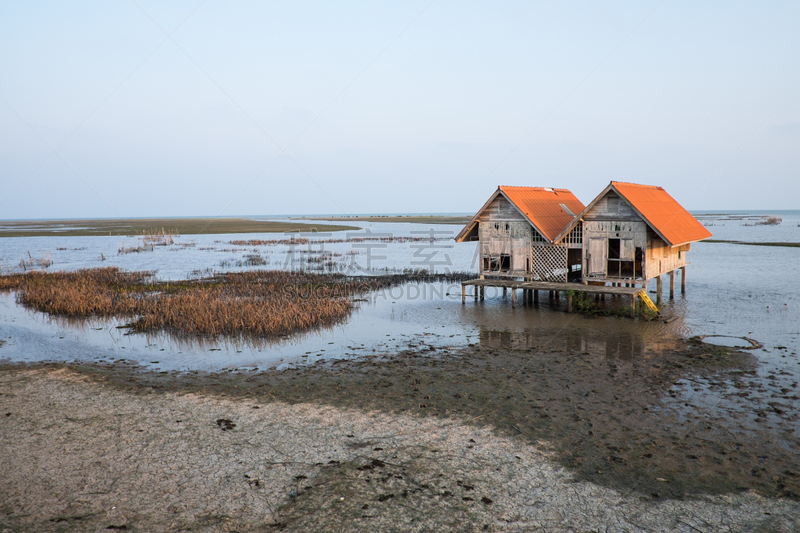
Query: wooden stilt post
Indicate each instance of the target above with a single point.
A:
(658, 290)
(683, 280)
(569, 303)
(504, 292)
(483, 292)
(671, 284)
(477, 290)
(463, 294)
(633, 306)
(535, 297)
(513, 298)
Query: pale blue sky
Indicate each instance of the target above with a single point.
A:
(226, 108)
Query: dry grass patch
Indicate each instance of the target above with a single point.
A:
(254, 303)
(259, 303)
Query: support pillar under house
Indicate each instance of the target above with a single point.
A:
(683, 280)
(658, 290)
(671, 284)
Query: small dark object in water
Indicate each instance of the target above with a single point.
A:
(225, 424)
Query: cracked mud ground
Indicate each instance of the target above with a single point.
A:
(480, 439)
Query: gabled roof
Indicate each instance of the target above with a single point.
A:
(547, 209)
(658, 209)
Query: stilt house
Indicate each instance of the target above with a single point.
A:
(519, 233)
(634, 233)
(531, 238)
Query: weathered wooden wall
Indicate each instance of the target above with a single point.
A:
(503, 230)
(662, 258)
(613, 218)
(610, 218)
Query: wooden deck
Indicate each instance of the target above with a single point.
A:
(531, 290)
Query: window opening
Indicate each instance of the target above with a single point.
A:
(613, 248)
(505, 262)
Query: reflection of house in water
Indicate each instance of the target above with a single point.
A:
(616, 344)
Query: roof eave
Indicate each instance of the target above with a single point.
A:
(689, 242)
(466, 230)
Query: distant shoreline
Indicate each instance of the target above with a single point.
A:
(175, 226)
(410, 219)
(785, 244)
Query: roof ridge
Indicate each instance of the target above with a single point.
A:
(638, 185)
(533, 187)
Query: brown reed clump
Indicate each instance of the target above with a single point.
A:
(256, 303)
(261, 303)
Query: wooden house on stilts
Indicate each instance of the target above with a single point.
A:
(536, 238)
(633, 233)
(517, 230)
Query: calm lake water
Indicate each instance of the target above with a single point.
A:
(732, 290)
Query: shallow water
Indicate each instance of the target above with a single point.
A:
(731, 290)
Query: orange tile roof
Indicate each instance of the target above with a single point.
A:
(660, 210)
(544, 207)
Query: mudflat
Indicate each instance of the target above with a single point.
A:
(480, 438)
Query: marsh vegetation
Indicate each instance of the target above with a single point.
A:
(258, 303)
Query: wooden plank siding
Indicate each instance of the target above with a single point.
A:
(613, 218)
(662, 258)
(503, 230)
